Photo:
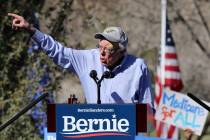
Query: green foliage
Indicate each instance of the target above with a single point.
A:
(14, 64)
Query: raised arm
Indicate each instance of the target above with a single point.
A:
(68, 58)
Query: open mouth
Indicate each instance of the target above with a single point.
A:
(103, 61)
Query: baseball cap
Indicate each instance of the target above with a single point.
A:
(114, 34)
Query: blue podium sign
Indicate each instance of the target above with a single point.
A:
(94, 122)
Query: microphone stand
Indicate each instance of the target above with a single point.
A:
(25, 109)
(99, 92)
(106, 74)
(99, 88)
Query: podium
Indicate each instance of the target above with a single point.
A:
(96, 121)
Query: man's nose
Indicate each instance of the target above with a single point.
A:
(102, 52)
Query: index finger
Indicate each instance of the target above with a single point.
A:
(14, 15)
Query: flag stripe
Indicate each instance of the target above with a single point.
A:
(172, 68)
(159, 129)
(174, 84)
(170, 56)
(172, 75)
(171, 131)
(170, 81)
(170, 49)
(171, 62)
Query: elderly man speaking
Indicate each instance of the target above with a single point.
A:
(131, 81)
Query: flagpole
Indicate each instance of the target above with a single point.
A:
(162, 48)
(163, 39)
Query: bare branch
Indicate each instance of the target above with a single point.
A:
(202, 17)
(194, 36)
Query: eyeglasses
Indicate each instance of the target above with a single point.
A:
(107, 50)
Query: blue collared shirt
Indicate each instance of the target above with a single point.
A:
(131, 82)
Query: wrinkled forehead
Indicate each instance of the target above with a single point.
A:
(106, 43)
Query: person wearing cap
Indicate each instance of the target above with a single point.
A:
(131, 83)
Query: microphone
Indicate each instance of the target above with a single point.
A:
(108, 74)
(93, 74)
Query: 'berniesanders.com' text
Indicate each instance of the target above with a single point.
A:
(95, 110)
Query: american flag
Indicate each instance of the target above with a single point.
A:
(171, 78)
